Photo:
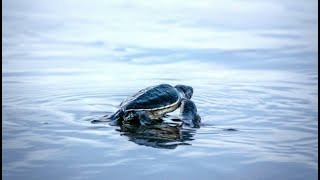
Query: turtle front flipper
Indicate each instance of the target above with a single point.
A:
(188, 113)
(144, 118)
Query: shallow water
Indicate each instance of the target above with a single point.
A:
(255, 86)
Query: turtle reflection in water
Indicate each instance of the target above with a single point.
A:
(161, 135)
(149, 105)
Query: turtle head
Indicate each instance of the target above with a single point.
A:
(186, 90)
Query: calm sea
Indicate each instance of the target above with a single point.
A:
(62, 69)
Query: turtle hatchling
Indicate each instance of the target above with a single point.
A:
(150, 104)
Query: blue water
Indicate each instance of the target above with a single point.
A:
(254, 74)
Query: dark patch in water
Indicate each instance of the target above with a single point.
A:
(230, 129)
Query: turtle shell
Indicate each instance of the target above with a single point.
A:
(155, 97)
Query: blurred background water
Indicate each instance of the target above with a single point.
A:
(252, 64)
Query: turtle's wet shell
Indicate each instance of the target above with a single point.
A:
(156, 97)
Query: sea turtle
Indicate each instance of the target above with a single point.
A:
(152, 103)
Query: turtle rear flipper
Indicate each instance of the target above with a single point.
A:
(114, 119)
(188, 113)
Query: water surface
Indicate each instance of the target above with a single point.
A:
(255, 86)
